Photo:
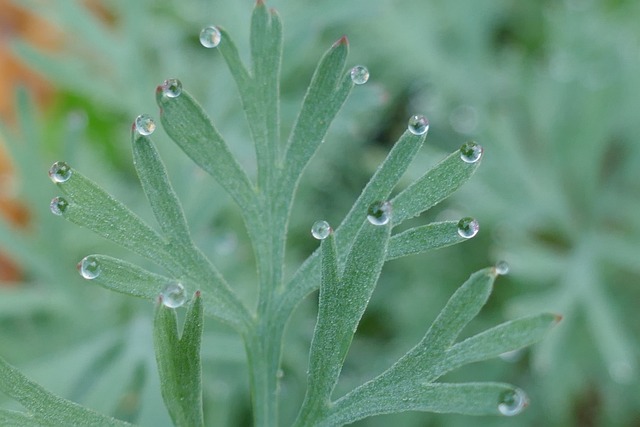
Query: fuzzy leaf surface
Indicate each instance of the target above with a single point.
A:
(179, 365)
(46, 408)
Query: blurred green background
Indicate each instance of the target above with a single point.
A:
(551, 89)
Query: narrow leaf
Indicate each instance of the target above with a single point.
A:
(264, 117)
(179, 364)
(425, 238)
(155, 183)
(508, 336)
(466, 398)
(329, 88)
(433, 187)
(341, 306)
(189, 126)
(47, 408)
(239, 72)
(91, 207)
(126, 278)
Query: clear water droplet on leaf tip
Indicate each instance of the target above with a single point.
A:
(172, 88)
(60, 172)
(512, 402)
(58, 205)
(468, 227)
(471, 152)
(321, 230)
(418, 125)
(89, 267)
(502, 268)
(379, 213)
(210, 37)
(145, 125)
(359, 74)
(174, 295)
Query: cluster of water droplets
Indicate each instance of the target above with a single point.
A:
(89, 267)
(418, 125)
(173, 295)
(379, 213)
(321, 230)
(512, 402)
(468, 227)
(171, 88)
(359, 74)
(471, 152)
(60, 172)
(210, 37)
(144, 124)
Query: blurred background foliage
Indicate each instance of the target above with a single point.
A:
(550, 88)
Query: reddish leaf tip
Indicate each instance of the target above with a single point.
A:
(558, 318)
(342, 41)
(198, 293)
(259, 3)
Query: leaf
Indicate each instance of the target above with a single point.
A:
(91, 207)
(188, 125)
(179, 366)
(329, 88)
(433, 187)
(17, 419)
(425, 238)
(45, 407)
(341, 306)
(155, 183)
(264, 110)
(466, 398)
(506, 337)
(124, 277)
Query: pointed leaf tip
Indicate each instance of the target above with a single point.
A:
(558, 317)
(342, 41)
(259, 3)
(198, 294)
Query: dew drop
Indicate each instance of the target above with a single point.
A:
(471, 152)
(468, 227)
(174, 295)
(171, 88)
(502, 268)
(210, 37)
(379, 213)
(512, 402)
(145, 125)
(60, 172)
(320, 230)
(58, 205)
(418, 125)
(359, 74)
(89, 267)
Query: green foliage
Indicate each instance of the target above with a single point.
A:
(266, 208)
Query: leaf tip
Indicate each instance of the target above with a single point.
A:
(558, 318)
(342, 41)
(198, 294)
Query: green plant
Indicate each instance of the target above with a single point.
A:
(345, 269)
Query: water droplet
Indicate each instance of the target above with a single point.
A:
(145, 124)
(320, 230)
(60, 172)
(468, 227)
(210, 37)
(174, 295)
(512, 402)
(379, 213)
(89, 267)
(502, 268)
(359, 74)
(418, 125)
(172, 88)
(58, 205)
(471, 152)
